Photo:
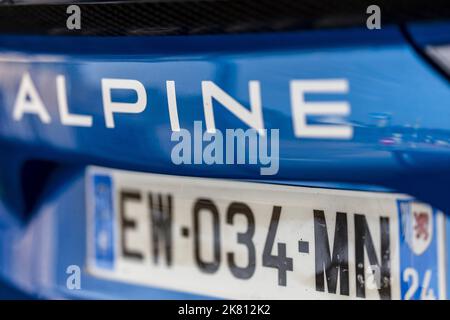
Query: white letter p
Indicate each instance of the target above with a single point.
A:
(110, 107)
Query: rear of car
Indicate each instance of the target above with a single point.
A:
(225, 149)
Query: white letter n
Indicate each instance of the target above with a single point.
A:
(252, 118)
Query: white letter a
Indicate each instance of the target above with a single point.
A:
(29, 101)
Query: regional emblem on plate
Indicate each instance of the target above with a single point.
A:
(418, 225)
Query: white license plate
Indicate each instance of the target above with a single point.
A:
(233, 239)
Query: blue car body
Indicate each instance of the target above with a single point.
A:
(400, 116)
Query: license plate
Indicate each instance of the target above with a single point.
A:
(246, 240)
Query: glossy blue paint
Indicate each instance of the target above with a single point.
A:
(54, 240)
(394, 95)
(400, 113)
(435, 33)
